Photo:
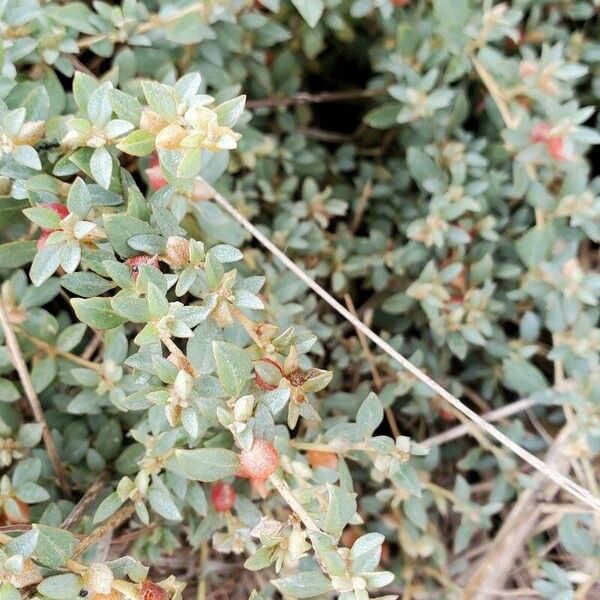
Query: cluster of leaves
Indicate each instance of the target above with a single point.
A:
(217, 402)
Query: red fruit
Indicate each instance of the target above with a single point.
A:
(317, 458)
(527, 67)
(556, 148)
(540, 132)
(259, 462)
(41, 242)
(447, 415)
(142, 259)
(154, 174)
(16, 517)
(153, 591)
(60, 209)
(400, 2)
(260, 487)
(223, 496)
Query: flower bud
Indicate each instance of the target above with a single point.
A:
(30, 133)
(170, 137)
(152, 121)
(177, 251)
(258, 462)
(201, 190)
(98, 579)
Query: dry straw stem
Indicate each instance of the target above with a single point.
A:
(90, 495)
(500, 558)
(34, 402)
(115, 521)
(491, 417)
(564, 482)
(282, 487)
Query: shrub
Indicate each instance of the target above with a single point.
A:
(169, 390)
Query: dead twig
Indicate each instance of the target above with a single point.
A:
(373, 367)
(496, 566)
(494, 415)
(114, 522)
(34, 402)
(79, 509)
(307, 98)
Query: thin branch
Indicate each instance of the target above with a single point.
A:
(494, 415)
(34, 402)
(361, 205)
(495, 92)
(282, 487)
(90, 495)
(373, 367)
(307, 98)
(114, 522)
(154, 21)
(52, 350)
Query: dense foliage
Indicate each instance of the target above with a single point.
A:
(176, 407)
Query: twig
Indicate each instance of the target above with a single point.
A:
(307, 98)
(495, 92)
(498, 562)
(91, 348)
(80, 508)
(361, 205)
(282, 487)
(494, 415)
(154, 22)
(34, 402)
(122, 515)
(52, 350)
(373, 367)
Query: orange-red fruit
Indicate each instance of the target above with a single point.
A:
(19, 517)
(154, 174)
(153, 591)
(60, 209)
(135, 262)
(400, 2)
(527, 67)
(322, 459)
(556, 147)
(540, 132)
(259, 486)
(447, 415)
(258, 462)
(223, 496)
(41, 242)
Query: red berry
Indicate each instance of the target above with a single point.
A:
(260, 487)
(41, 242)
(259, 462)
(142, 259)
(223, 496)
(17, 514)
(317, 458)
(400, 2)
(155, 175)
(153, 591)
(60, 209)
(556, 148)
(540, 132)
(527, 67)
(447, 415)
